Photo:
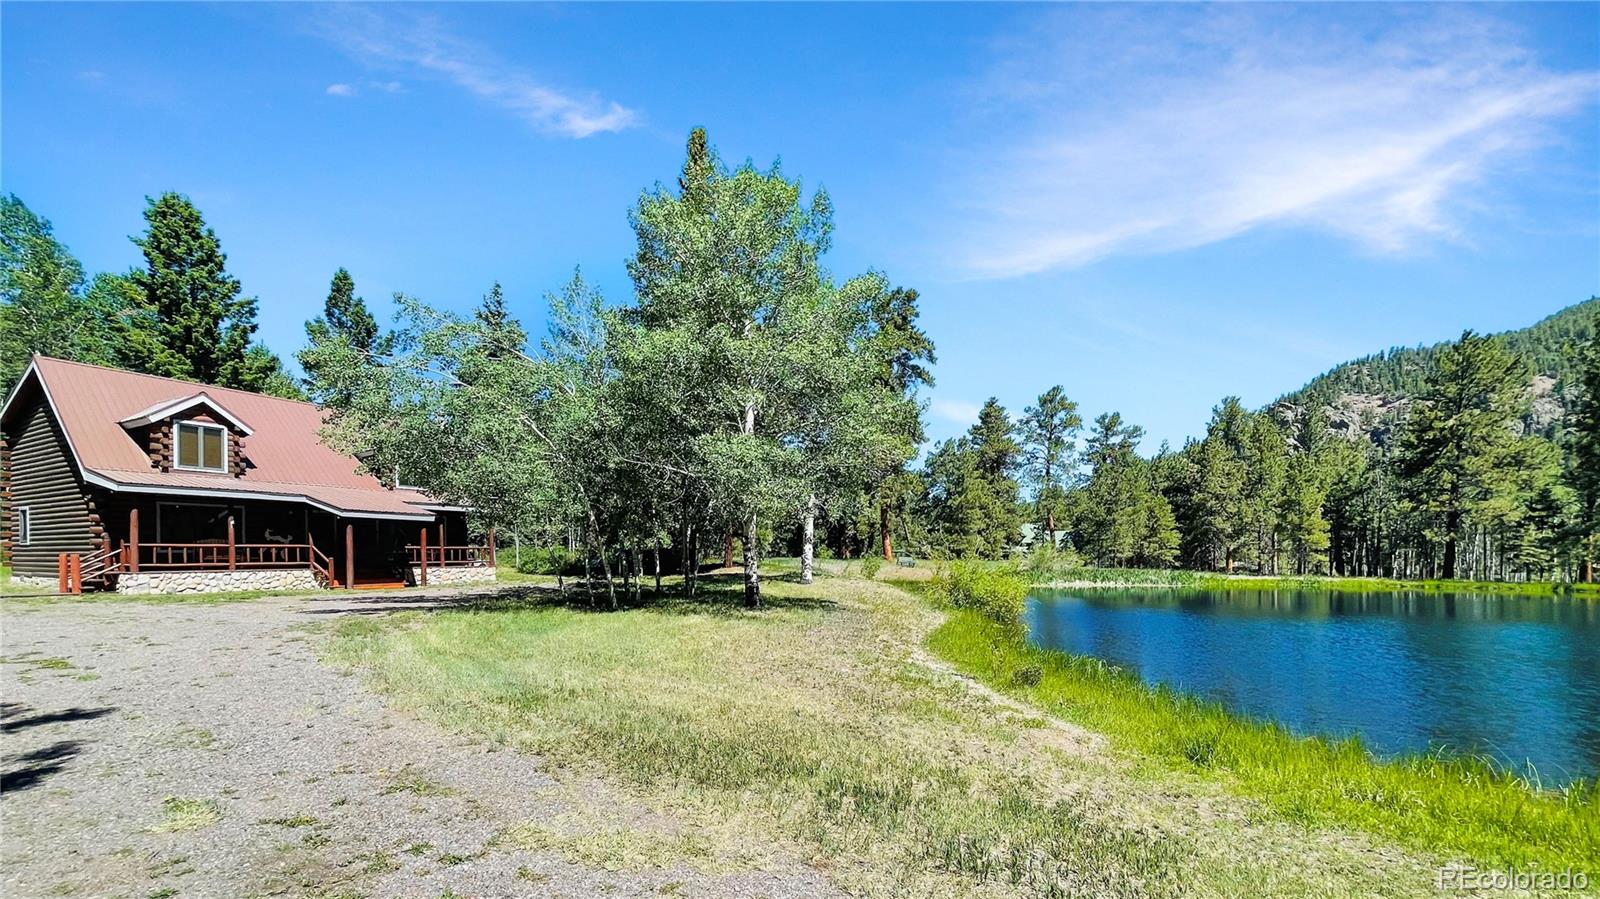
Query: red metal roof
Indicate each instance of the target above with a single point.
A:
(286, 457)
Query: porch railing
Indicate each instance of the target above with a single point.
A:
(222, 555)
(441, 556)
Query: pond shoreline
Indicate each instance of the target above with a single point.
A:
(1197, 580)
(1466, 804)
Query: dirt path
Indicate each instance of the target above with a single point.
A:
(163, 750)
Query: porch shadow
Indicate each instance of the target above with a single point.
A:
(10, 721)
(34, 767)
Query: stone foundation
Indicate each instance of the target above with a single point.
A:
(34, 580)
(450, 576)
(149, 583)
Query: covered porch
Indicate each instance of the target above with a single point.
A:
(155, 544)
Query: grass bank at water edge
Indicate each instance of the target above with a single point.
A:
(1448, 805)
(1150, 577)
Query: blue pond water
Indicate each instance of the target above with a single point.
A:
(1515, 678)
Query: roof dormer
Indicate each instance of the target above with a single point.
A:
(192, 434)
(186, 406)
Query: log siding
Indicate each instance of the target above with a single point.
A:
(43, 478)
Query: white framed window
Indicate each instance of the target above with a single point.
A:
(200, 446)
(24, 525)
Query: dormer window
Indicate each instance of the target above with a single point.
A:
(201, 446)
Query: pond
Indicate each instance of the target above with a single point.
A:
(1511, 677)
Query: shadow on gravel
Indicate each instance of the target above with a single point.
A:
(384, 603)
(13, 714)
(38, 765)
(720, 595)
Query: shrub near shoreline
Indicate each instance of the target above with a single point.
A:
(997, 593)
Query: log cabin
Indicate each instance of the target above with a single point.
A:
(115, 480)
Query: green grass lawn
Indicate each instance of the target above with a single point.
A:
(9, 588)
(819, 726)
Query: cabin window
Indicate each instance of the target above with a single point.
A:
(24, 526)
(202, 446)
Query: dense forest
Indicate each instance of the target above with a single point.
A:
(744, 399)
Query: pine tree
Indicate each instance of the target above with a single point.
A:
(1265, 464)
(1217, 496)
(346, 319)
(1458, 439)
(504, 334)
(1048, 432)
(1583, 472)
(346, 315)
(996, 458)
(199, 327)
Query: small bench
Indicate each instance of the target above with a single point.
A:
(906, 562)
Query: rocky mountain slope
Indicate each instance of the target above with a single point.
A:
(1364, 398)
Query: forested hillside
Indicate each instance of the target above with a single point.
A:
(1367, 395)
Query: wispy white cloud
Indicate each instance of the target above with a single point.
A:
(1111, 131)
(342, 89)
(401, 39)
(958, 412)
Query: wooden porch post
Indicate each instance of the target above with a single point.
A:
(75, 571)
(233, 557)
(133, 539)
(423, 576)
(349, 556)
(61, 573)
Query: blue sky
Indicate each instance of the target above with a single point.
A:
(1152, 206)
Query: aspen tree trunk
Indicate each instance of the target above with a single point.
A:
(752, 552)
(658, 566)
(808, 549)
(683, 549)
(605, 563)
(752, 565)
(727, 551)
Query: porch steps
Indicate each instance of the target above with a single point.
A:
(373, 584)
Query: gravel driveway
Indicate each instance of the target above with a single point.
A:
(164, 750)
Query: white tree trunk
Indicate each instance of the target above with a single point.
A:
(808, 549)
(752, 552)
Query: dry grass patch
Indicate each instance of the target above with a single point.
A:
(811, 731)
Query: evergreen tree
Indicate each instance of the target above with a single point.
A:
(904, 354)
(1265, 464)
(1583, 470)
(345, 318)
(1217, 495)
(505, 333)
(972, 503)
(1300, 511)
(199, 327)
(1049, 431)
(1121, 517)
(1458, 440)
(346, 315)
